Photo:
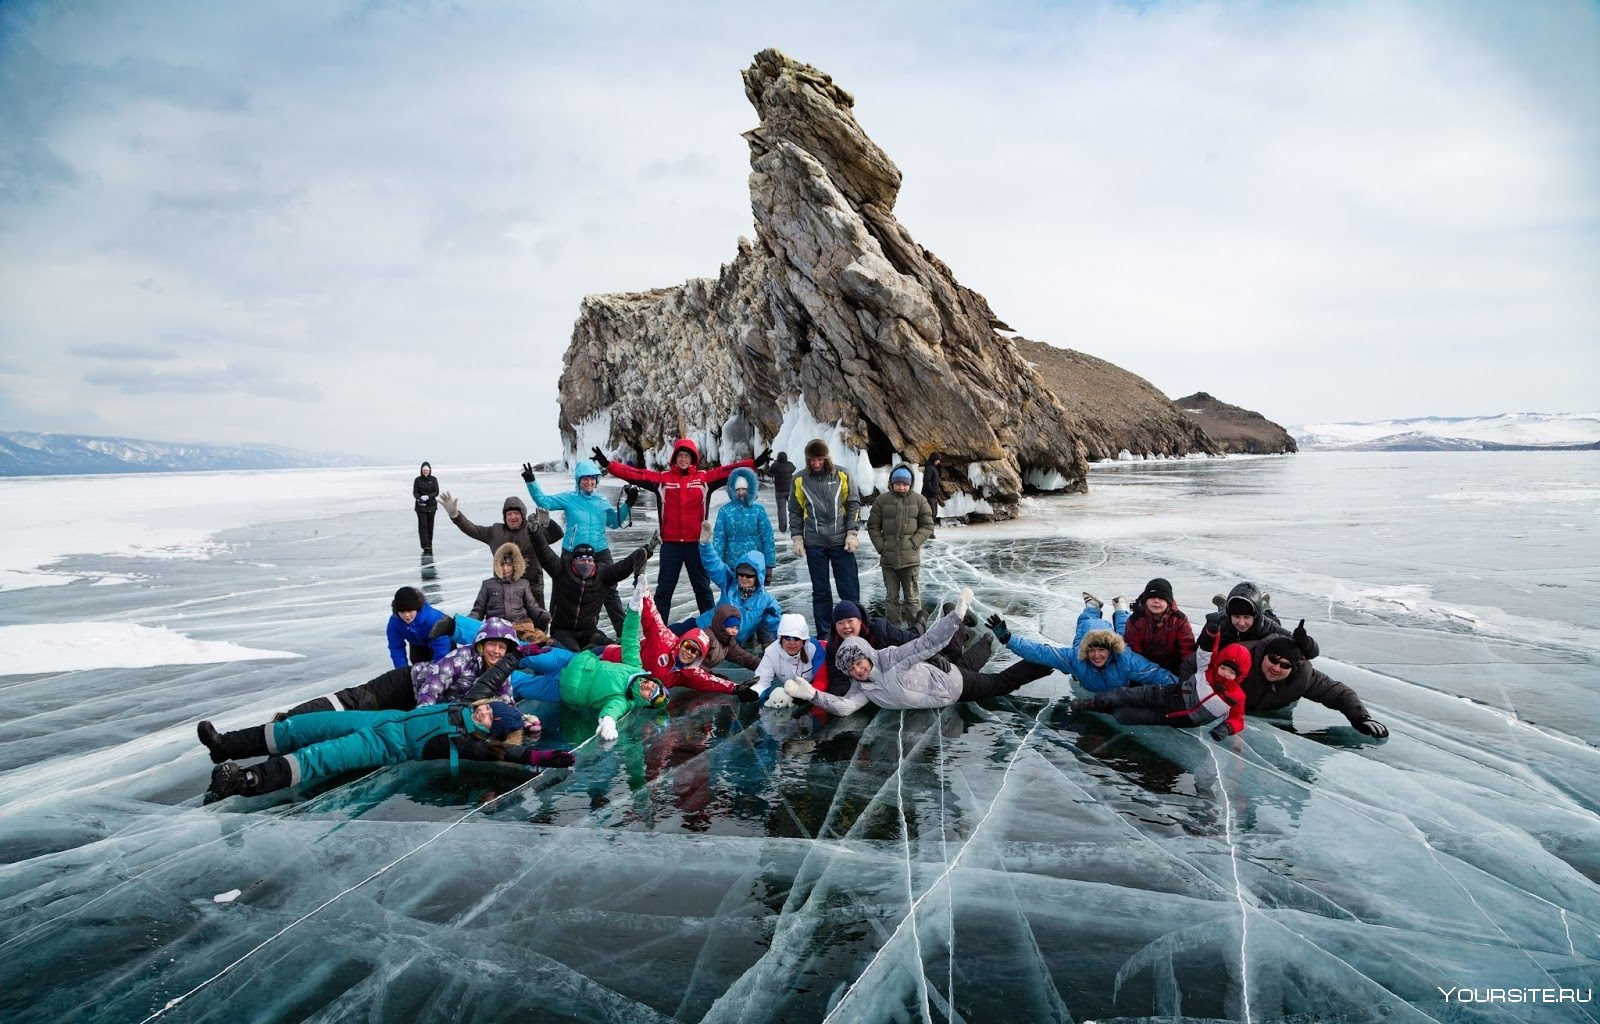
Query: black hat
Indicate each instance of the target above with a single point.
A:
(1240, 606)
(1158, 587)
(407, 599)
(583, 551)
(1284, 647)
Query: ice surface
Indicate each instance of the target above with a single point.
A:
(1007, 861)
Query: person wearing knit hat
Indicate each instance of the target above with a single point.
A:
(1196, 701)
(1244, 617)
(1157, 629)
(900, 523)
(1282, 674)
(824, 520)
(410, 630)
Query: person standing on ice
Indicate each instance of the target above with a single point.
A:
(307, 748)
(513, 527)
(410, 629)
(932, 481)
(902, 678)
(743, 525)
(1282, 674)
(824, 517)
(1098, 659)
(782, 478)
(899, 524)
(425, 496)
(683, 494)
(588, 517)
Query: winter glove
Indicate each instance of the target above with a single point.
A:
(1372, 727)
(800, 689)
(1303, 640)
(629, 493)
(527, 472)
(1119, 603)
(651, 545)
(600, 457)
(1222, 730)
(764, 458)
(541, 522)
(997, 626)
(778, 697)
(705, 532)
(747, 695)
(552, 758)
(852, 540)
(450, 504)
(963, 602)
(799, 544)
(636, 599)
(607, 730)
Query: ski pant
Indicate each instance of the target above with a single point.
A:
(1149, 705)
(391, 691)
(328, 743)
(978, 685)
(538, 676)
(905, 593)
(843, 563)
(676, 556)
(425, 527)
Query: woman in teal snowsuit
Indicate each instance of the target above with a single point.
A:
(588, 517)
(316, 745)
(743, 524)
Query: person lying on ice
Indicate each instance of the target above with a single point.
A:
(410, 629)
(849, 620)
(466, 673)
(791, 656)
(1098, 659)
(901, 678)
(741, 587)
(584, 680)
(309, 747)
(1282, 674)
(676, 660)
(1198, 700)
(1244, 617)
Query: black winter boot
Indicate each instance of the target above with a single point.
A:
(228, 779)
(231, 746)
(444, 627)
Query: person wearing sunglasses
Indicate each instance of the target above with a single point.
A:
(1282, 674)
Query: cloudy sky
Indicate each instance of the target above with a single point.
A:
(367, 227)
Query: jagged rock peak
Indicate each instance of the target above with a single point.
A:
(832, 323)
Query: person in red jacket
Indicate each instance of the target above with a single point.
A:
(1159, 631)
(683, 492)
(676, 660)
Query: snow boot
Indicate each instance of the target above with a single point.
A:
(228, 779)
(978, 655)
(444, 627)
(1092, 601)
(231, 746)
(968, 620)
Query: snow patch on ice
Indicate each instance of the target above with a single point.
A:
(799, 426)
(82, 646)
(226, 897)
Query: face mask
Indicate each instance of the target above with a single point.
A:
(583, 568)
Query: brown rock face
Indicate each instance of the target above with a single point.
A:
(1235, 430)
(834, 321)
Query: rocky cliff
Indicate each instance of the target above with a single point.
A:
(832, 323)
(1236, 430)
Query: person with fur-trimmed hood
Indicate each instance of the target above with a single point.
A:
(824, 525)
(1098, 658)
(513, 527)
(1282, 674)
(410, 629)
(466, 673)
(1245, 618)
(588, 516)
(743, 524)
(1198, 700)
(507, 595)
(741, 587)
(1157, 629)
(791, 656)
(306, 748)
(683, 492)
(902, 678)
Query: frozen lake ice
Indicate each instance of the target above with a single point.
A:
(992, 862)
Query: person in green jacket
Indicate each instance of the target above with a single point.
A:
(610, 689)
(901, 522)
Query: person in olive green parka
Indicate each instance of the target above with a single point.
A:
(901, 522)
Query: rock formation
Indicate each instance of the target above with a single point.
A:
(1235, 430)
(833, 323)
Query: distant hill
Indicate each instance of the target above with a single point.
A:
(27, 454)
(1236, 431)
(1514, 431)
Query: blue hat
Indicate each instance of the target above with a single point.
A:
(507, 719)
(847, 610)
(900, 473)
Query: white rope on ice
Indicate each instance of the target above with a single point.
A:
(178, 1000)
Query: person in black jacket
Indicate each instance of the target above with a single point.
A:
(1245, 617)
(578, 586)
(425, 492)
(782, 482)
(1280, 675)
(932, 481)
(514, 527)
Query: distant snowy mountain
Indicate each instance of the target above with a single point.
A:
(1512, 431)
(26, 454)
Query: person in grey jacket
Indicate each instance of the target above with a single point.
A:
(900, 523)
(901, 678)
(824, 517)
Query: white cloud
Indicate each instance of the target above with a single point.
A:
(1324, 211)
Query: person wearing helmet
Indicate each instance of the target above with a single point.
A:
(588, 516)
(310, 747)
(466, 673)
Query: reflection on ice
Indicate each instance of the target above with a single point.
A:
(725, 862)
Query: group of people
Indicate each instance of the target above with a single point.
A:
(456, 679)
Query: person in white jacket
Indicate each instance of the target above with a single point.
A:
(791, 656)
(902, 678)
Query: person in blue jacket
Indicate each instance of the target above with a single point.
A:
(1098, 659)
(410, 630)
(588, 517)
(743, 524)
(741, 587)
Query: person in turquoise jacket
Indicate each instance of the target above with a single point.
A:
(741, 587)
(743, 524)
(1098, 658)
(305, 748)
(588, 517)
